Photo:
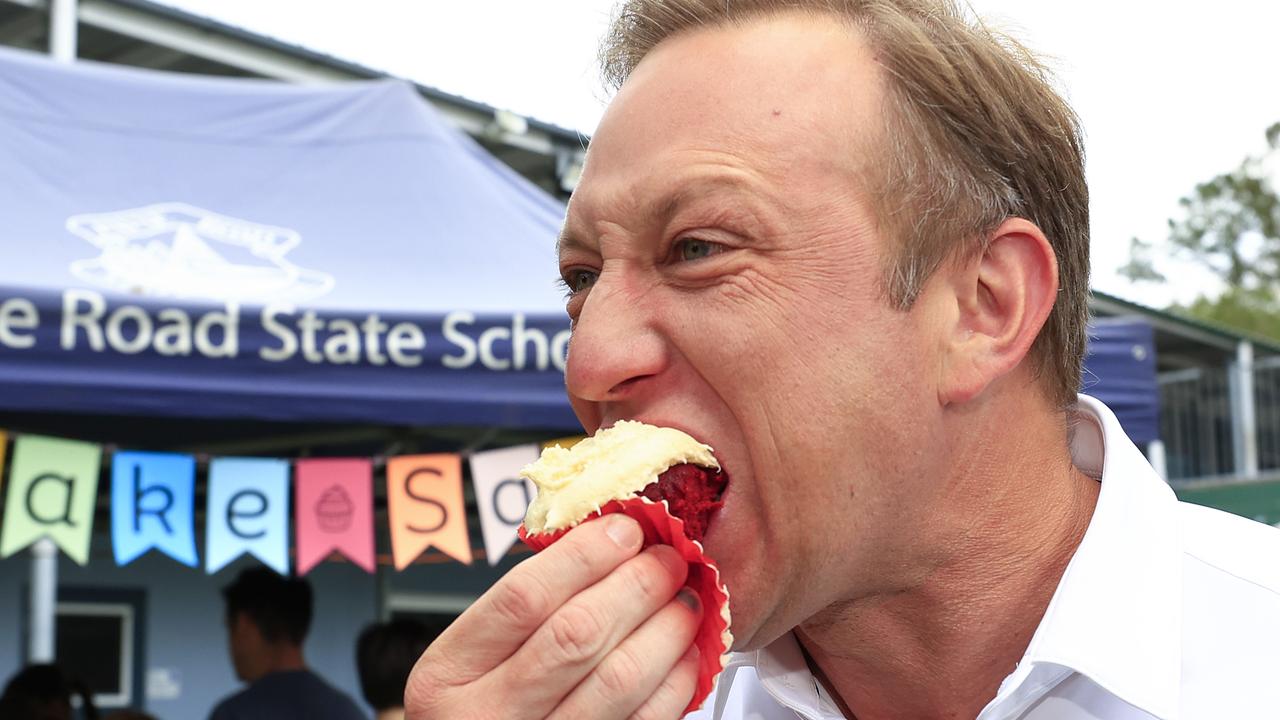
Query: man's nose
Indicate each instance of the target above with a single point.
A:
(616, 350)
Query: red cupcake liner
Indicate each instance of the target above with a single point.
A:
(662, 528)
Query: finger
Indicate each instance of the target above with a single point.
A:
(673, 695)
(638, 667)
(579, 635)
(498, 623)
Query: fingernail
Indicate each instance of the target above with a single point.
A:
(689, 599)
(624, 531)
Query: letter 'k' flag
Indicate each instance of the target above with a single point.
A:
(153, 506)
(53, 490)
(248, 511)
(425, 507)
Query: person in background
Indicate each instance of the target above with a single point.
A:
(267, 620)
(43, 692)
(385, 653)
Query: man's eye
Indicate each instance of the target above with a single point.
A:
(577, 280)
(695, 249)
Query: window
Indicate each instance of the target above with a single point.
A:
(100, 642)
(435, 610)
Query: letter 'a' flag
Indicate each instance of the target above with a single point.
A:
(502, 496)
(247, 511)
(333, 510)
(425, 507)
(53, 492)
(153, 499)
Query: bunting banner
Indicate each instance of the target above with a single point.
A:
(153, 499)
(425, 507)
(502, 496)
(53, 491)
(333, 510)
(247, 511)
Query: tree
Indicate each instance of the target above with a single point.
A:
(1230, 225)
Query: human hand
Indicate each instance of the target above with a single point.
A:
(591, 627)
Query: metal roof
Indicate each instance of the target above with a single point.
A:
(1184, 327)
(148, 34)
(337, 63)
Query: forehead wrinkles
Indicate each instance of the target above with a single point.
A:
(675, 180)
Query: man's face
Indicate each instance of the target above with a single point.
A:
(729, 272)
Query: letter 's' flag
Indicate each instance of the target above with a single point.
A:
(425, 507)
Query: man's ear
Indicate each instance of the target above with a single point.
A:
(242, 625)
(1002, 298)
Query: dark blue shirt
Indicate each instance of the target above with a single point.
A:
(290, 695)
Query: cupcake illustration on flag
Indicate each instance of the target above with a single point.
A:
(334, 510)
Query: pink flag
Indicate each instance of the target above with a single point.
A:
(334, 508)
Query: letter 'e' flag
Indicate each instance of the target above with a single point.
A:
(502, 496)
(333, 509)
(53, 491)
(425, 507)
(153, 506)
(248, 511)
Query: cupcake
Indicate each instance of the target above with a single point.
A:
(670, 483)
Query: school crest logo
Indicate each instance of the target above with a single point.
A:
(175, 250)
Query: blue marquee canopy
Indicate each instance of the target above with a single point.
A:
(205, 247)
(1120, 370)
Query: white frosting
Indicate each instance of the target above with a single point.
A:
(611, 465)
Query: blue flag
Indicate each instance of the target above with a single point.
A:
(248, 511)
(153, 506)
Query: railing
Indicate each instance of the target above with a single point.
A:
(1195, 423)
(1201, 424)
(1266, 393)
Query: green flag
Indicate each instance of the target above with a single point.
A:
(53, 488)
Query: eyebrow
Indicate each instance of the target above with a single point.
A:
(669, 205)
(568, 241)
(662, 207)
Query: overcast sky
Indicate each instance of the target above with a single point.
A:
(1170, 93)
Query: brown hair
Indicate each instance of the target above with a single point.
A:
(975, 135)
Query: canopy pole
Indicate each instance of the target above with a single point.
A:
(62, 30)
(1244, 416)
(44, 598)
(1159, 462)
(63, 19)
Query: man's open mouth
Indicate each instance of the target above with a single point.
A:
(693, 493)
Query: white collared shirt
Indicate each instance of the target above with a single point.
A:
(1167, 610)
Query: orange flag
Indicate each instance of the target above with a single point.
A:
(425, 507)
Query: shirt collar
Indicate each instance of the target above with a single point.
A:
(1114, 618)
(1116, 615)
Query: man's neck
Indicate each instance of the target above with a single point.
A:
(941, 649)
(283, 658)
